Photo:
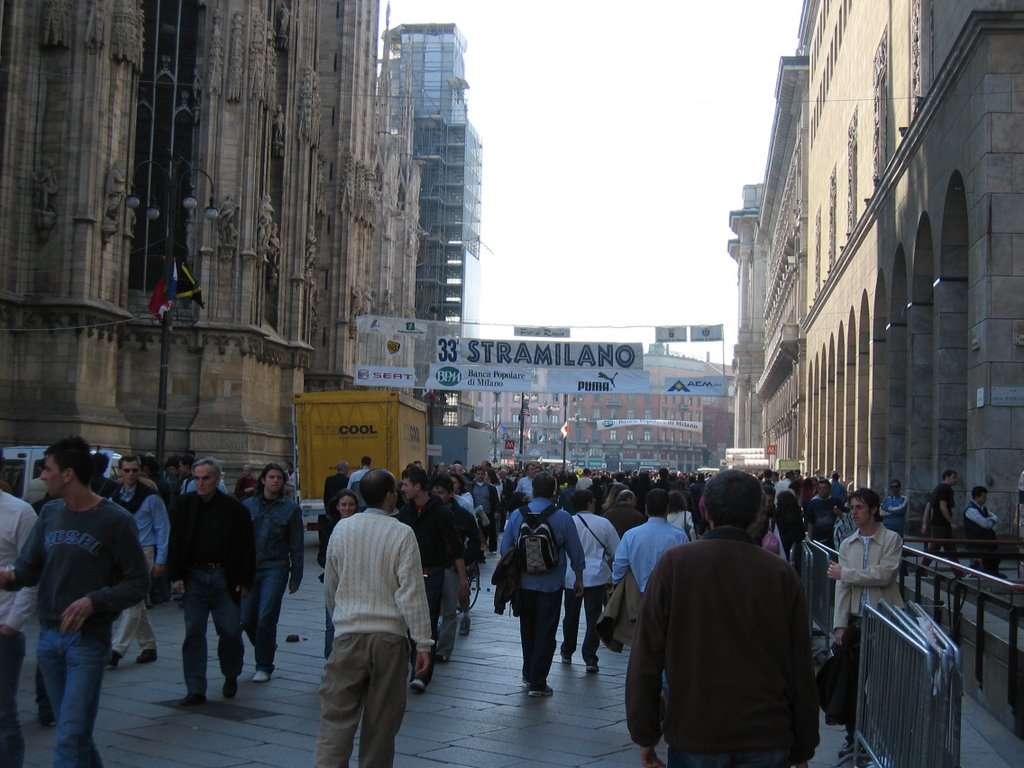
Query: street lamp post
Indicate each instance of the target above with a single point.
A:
(189, 203)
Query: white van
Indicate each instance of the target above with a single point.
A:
(24, 463)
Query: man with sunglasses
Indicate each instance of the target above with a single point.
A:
(146, 506)
(894, 508)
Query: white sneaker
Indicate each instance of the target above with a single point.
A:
(261, 677)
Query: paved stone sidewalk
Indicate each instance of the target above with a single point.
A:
(475, 713)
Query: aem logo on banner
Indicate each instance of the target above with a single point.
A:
(695, 386)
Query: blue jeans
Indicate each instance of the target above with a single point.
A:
(73, 665)
(538, 623)
(207, 593)
(261, 609)
(592, 602)
(12, 740)
(778, 758)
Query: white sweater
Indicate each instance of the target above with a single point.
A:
(373, 582)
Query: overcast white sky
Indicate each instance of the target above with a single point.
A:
(617, 138)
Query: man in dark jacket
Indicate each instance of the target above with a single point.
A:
(440, 547)
(212, 558)
(748, 622)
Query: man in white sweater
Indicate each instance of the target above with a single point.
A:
(373, 585)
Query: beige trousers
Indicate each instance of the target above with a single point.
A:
(134, 622)
(364, 682)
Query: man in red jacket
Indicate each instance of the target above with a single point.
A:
(733, 656)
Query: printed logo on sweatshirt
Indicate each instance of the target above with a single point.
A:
(73, 538)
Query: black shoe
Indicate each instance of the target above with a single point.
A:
(148, 655)
(230, 687)
(47, 720)
(192, 700)
(115, 658)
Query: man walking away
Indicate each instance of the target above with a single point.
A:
(373, 586)
(724, 622)
(541, 590)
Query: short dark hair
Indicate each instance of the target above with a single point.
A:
(150, 464)
(73, 453)
(443, 481)
(415, 475)
(100, 463)
(656, 502)
(581, 500)
(544, 485)
(676, 501)
(978, 490)
(733, 498)
(868, 496)
(376, 485)
(129, 460)
(336, 499)
(366, 461)
(949, 473)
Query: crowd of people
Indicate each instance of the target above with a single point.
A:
(613, 549)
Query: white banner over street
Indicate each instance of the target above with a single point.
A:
(695, 386)
(545, 332)
(385, 376)
(707, 333)
(452, 350)
(480, 377)
(390, 326)
(685, 426)
(561, 380)
(670, 333)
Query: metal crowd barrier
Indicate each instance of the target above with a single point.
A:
(909, 690)
(819, 590)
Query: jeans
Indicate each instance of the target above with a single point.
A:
(538, 623)
(12, 740)
(777, 758)
(592, 603)
(261, 609)
(449, 613)
(73, 665)
(433, 580)
(207, 593)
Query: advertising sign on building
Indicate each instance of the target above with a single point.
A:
(385, 376)
(695, 386)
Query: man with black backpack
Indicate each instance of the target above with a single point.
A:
(544, 538)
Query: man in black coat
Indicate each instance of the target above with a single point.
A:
(212, 558)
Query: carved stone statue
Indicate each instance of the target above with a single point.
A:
(227, 226)
(257, 56)
(277, 141)
(309, 265)
(56, 23)
(282, 26)
(127, 33)
(95, 25)
(113, 193)
(44, 189)
(272, 256)
(236, 63)
(215, 59)
(264, 223)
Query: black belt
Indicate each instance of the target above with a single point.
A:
(210, 567)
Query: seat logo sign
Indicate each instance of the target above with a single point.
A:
(448, 376)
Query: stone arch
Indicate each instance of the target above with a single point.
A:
(898, 369)
(878, 445)
(950, 401)
(847, 464)
(838, 420)
(920, 469)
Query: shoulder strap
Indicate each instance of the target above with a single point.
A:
(584, 521)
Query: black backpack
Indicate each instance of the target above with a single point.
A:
(537, 547)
